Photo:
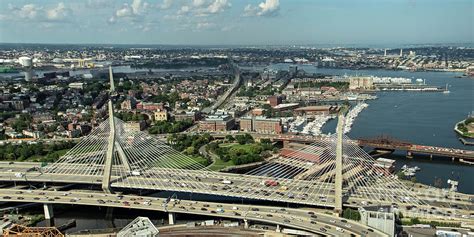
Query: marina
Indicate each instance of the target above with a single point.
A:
(352, 115)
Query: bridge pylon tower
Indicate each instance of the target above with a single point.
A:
(339, 165)
(112, 144)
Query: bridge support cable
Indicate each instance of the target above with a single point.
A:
(308, 173)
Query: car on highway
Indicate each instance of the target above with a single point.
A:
(323, 229)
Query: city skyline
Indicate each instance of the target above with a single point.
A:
(227, 22)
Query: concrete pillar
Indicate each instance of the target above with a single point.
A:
(110, 151)
(171, 218)
(48, 211)
(285, 143)
(246, 224)
(109, 217)
(339, 165)
(111, 141)
(278, 229)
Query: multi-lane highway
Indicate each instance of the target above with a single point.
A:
(439, 205)
(294, 218)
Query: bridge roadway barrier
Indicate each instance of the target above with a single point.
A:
(289, 217)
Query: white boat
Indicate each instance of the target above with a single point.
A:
(446, 91)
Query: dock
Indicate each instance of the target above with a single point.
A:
(466, 142)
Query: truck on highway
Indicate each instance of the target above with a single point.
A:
(226, 182)
(220, 210)
(136, 173)
(271, 183)
(19, 175)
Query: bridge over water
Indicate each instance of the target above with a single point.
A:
(331, 172)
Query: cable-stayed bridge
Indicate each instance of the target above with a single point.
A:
(330, 173)
(305, 176)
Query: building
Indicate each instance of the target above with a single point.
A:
(150, 106)
(161, 115)
(33, 134)
(141, 226)
(274, 100)
(384, 166)
(25, 61)
(135, 126)
(217, 122)
(261, 125)
(379, 217)
(361, 83)
(317, 110)
(76, 85)
(188, 115)
(129, 104)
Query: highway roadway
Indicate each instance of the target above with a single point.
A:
(440, 204)
(315, 222)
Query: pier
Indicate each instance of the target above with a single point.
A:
(466, 142)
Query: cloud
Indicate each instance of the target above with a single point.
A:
(205, 25)
(167, 4)
(34, 13)
(218, 6)
(59, 13)
(266, 8)
(29, 11)
(95, 4)
(136, 8)
(203, 8)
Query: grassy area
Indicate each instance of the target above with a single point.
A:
(182, 162)
(220, 164)
(38, 158)
(462, 128)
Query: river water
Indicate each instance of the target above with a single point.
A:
(425, 118)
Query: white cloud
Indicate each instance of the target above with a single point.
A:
(205, 25)
(34, 13)
(266, 8)
(199, 3)
(60, 12)
(136, 8)
(125, 11)
(29, 11)
(203, 8)
(166, 4)
(184, 10)
(218, 6)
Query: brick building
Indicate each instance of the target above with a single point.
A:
(222, 122)
(261, 125)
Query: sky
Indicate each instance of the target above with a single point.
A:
(237, 22)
